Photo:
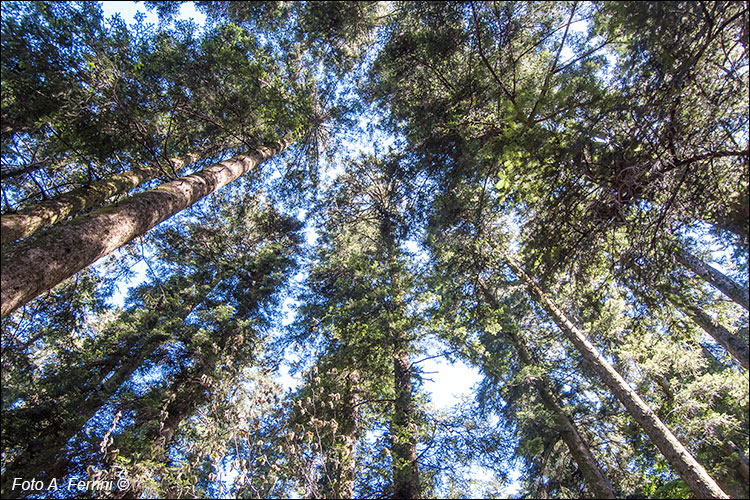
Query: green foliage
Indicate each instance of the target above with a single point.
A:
(588, 141)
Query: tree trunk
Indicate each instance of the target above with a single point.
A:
(38, 263)
(45, 451)
(31, 219)
(403, 432)
(693, 473)
(725, 284)
(597, 481)
(734, 345)
(742, 465)
(340, 476)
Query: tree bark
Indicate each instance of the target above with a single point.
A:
(38, 263)
(734, 345)
(403, 432)
(341, 468)
(725, 284)
(31, 219)
(693, 473)
(597, 481)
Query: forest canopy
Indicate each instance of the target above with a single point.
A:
(231, 251)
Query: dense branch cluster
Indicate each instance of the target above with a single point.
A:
(313, 202)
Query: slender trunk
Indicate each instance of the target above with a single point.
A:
(725, 284)
(38, 263)
(403, 432)
(734, 345)
(183, 400)
(693, 473)
(403, 428)
(597, 481)
(10, 173)
(542, 485)
(45, 450)
(338, 482)
(31, 219)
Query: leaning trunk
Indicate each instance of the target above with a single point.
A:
(734, 345)
(403, 432)
(38, 263)
(724, 283)
(693, 473)
(32, 219)
(597, 481)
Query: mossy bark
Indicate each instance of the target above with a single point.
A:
(36, 264)
(34, 218)
(403, 432)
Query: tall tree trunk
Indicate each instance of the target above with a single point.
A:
(725, 284)
(597, 481)
(36, 264)
(185, 399)
(403, 431)
(341, 467)
(734, 345)
(347, 460)
(693, 473)
(742, 465)
(403, 428)
(31, 219)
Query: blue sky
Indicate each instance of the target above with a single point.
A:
(127, 11)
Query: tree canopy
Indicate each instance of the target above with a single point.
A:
(233, 251)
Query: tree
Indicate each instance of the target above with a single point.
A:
(371, 318)
(688, 468)
(554, 194)
(31, 219)
(35, 265)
